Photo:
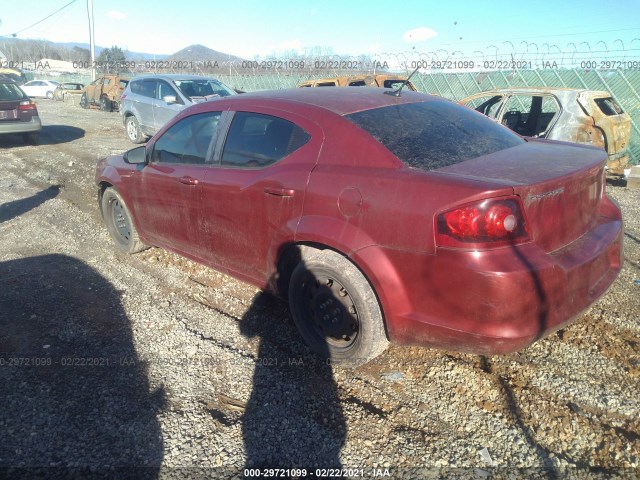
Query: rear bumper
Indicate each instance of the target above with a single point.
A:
(499, 301)
(34, 125)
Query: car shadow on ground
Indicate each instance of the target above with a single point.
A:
(75, 400)
(294, 416)
(11, 210)
(49, 135)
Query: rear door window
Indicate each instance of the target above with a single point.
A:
(258, 140)
(530, 115)
(434, 134)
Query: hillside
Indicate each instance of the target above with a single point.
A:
(200, 53)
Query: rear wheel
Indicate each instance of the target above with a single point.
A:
(336, 310)
(105, 104)
(119, 222)
(133, 130)
(84, 101)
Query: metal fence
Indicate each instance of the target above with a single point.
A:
(613, 67)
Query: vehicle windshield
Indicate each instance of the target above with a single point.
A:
(10, 91)
(203, 88)
(434, 134)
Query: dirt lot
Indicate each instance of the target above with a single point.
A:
(151, 361)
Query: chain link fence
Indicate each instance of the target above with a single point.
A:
(614, 67)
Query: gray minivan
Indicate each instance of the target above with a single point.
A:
(150, 101)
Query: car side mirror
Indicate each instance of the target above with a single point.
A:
(136, 156)
(170, 99)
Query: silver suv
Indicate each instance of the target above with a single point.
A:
(150, 101)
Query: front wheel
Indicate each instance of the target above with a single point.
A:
(336, 310)
(50, 95)
(119, 222)
(84, 101)
(133, 130)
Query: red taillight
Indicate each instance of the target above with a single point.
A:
(485, 224)
(27, 105)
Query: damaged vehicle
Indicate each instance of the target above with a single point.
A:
(150, 101)
(379, 81)
(381, 217)
(571, 115)
(66, 89)
(105, 92)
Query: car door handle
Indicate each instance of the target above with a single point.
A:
(188, 180)
(279, 191)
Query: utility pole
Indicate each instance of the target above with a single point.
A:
(92, 42)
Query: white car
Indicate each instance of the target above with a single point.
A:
(40, 88)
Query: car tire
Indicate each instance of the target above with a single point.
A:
(119, 222)
(132, 127)
(84, 101)
(105, 104)
(49, 95)
(336, 310)
(31, 138)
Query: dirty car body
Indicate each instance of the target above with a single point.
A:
(412, 216)
(573, 115)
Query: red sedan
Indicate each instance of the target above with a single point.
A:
(408, 218)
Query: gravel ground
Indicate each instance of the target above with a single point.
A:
(153, 366)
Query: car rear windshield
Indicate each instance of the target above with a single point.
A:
(10, 91)
(434, 134)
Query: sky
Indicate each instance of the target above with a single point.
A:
(258, 29)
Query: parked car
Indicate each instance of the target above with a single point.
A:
(18, 113)
(150, 101)
(67, 88)
(409, 219)
(381, 81)
(573, 115)
(40, 88)
(104, 91)
(14, 74)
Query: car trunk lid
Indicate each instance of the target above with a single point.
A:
(608, 117)
(560, 185)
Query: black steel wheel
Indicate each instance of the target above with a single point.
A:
(119, 222)
(336, 310)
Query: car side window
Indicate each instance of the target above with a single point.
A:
(146, 88)
(487, 105)
(529, 115)
(187, 141)
(257, 140)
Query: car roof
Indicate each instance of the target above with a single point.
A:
(341, 101)
(172, 76)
